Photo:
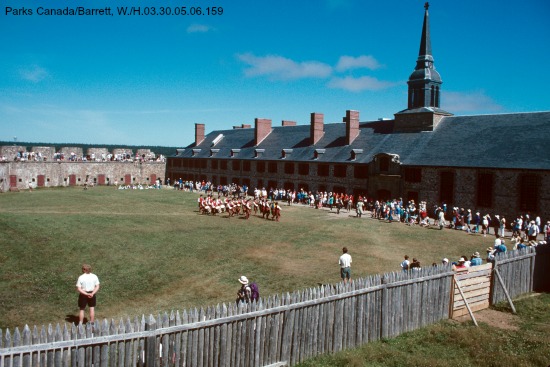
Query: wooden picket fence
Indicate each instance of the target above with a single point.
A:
(286, 328)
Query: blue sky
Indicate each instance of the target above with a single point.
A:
(147, 80)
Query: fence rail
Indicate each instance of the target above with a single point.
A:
(290, 327)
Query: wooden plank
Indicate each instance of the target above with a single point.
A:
(475, 307)
(474, 287)
(477, 280)
(460, 302)
(482, 291)
(466, 303)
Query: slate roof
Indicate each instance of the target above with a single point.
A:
(513, 141)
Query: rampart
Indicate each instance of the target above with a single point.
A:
(44, 167)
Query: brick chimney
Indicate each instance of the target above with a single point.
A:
(352, 126)
(289, 123)
(317, 127)
(262, 130)
(199, 133)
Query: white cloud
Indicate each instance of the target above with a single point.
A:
(198, 28)
(278, 67)
(475, 102)
(350, 62)
(359, 84)
(34, 73)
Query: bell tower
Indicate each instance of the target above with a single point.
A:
(424, 82)
(423, 111)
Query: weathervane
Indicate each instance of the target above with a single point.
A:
(426, 5)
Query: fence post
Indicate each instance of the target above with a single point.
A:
(383, 309)
(151, 343)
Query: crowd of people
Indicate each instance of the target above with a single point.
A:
(236, 206)
(25, 156)
(524, 226)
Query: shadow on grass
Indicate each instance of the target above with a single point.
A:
(74, 319)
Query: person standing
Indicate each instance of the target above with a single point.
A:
(87, 286)
(345, 265)
(359, 207)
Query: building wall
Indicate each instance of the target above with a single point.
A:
(59, 173)
(505, 191)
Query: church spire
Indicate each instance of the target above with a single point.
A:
(425, 81)
(425, 43)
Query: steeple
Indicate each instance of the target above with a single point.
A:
(424, 82)
(423, 112)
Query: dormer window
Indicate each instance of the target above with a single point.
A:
(213, 152)
(258, 153)
(286, 153)
(234, 152)
(355, 153)
(196, 152)
(318, 153)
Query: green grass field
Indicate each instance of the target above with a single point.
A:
(153, 252)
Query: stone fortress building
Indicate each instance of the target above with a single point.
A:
(45, 167)
(497, 164)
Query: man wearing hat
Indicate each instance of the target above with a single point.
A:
(243, 295)
(547, 231)
(475, 259)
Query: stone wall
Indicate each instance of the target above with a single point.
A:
(52, 174)
(10, 151)
(46, 152)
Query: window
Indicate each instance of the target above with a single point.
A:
(340, 170)
(214, 164)
(271, 185)
(289, 168)
(246, 166)
(303, 186)
(202, 164)
(223, 180)
(303, 169)
(446, 187)
(260, 167)
(272, 167)
(260, 183)
(323, 170)
(223, 164)
(529, 192)
(413, 174)
(384, 164)
(236, 165)
(485, 190)
(361, 171)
